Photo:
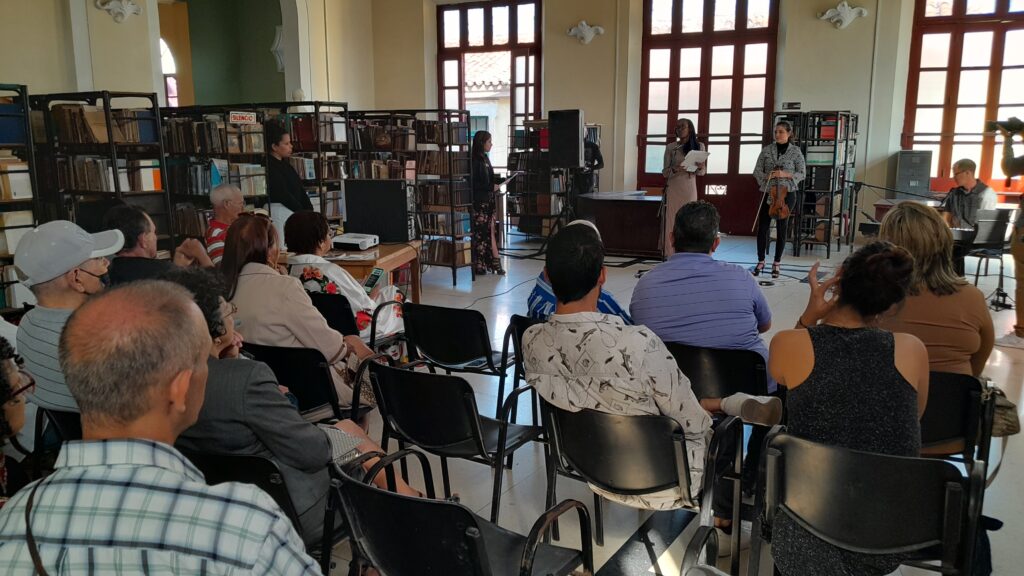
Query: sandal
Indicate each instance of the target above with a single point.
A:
(776, 269)
(757, 269)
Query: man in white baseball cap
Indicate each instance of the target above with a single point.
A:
(62, 265)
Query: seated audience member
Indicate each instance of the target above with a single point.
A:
(123, 500)
(14, 383)
(273, 307)
(970, 195)
(942, 309)
(63, 266)
(542, 301)
(245, 412)
(850, 385)
(137, 259)
(308, 237)
(228, 203)
(582, 359)
(696, 300)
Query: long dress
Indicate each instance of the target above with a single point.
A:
(680, 189)
(483, 217)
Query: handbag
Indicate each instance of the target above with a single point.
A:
(1006, 421)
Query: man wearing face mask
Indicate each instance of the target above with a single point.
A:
(62, 265)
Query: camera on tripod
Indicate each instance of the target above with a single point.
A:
(1013, 125)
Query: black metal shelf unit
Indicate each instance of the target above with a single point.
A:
(102, 148)
(534, 199)
(20, 208)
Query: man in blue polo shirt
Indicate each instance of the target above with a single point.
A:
(696, 300)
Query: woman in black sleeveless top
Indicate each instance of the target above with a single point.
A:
(485, 249)
(850, 385)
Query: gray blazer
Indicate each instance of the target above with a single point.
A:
(245, 413)
(792, 161)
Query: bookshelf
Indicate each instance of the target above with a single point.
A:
(19, 201)
(99, 149)
(535, 198)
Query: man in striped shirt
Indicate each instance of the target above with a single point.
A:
(228, 203)
(123, 500)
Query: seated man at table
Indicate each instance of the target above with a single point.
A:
(541, 301)
(138, 260)
(696, 300)
(970, 195)
(583, 359)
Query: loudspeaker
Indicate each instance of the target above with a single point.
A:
(382, 207)
(566, 128)
(913, 172)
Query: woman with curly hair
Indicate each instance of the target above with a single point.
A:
(14, 383)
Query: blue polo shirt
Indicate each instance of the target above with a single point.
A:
(696, 300)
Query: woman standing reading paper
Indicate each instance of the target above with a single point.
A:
(780, 167)
(680, 183)
(485, 247)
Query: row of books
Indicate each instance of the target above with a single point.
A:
(251, 178)
(444, 251)
(438, 163)
(444, 194)
(212, 135)
(15, 180)
(328, 127)
(433, 132)
(534, 204)
(371, 135)
(331, 165)
(537, 139)
(382, 169)
(83, 124)
(96, 174)
(444, 224)
(190, 179)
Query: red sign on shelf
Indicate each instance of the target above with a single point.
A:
(242, 117)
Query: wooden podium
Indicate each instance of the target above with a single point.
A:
(630, 222)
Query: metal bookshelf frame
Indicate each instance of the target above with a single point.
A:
(25, 151)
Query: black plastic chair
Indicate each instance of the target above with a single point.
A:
(68, 426)
(630, 455)
(455, 340)
(958, 417)
(706, 537)
(872, 503)
(438, 413)
(336, 309)
(307, 375)
(990, 239)
(517, 326)
(439, 537)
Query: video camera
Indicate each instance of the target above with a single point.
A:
(1013, 125)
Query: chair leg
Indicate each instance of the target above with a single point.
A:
(977, 269)
(552, 472)
(598, 519)
(499, 472)
(445, 478)
(501, 396)
(402, 464)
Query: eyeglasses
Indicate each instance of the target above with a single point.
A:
(29, 387)
(231, 311)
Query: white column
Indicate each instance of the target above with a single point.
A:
(81, 46)
(295, 27)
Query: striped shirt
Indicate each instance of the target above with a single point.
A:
(541, 302)
(215, 236)
(139, 507)
(696, 300)
(38, 337)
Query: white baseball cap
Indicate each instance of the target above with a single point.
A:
(55, 248)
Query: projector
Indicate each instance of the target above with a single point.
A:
(352, 241)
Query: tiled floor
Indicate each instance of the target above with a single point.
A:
(660, 550)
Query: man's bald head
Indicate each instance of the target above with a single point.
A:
(123, 345)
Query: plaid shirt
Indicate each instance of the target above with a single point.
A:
(140, 507)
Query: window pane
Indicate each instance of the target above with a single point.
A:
(969, 121)
(757, 16)
(721, 93)
(689, 63)
(752, 122)
(718, 159)
(977, 49)
(748, 157)
(520, 77)
(718, 122)
(657, 96)
(475, 20)
(1016, 5)
(981, 6)
(499, 25)
(1013, 52)
(928, 121)
(938, 8)
(1010, 111)
(934, 149)
(657, 124)
(654, 158)
(1010, 90)
(525, 22)
(452, 32)
(531, 69)
(521, 100)
(755, 59)
(659, 63)
(932, 88)
(935, 50)
(689, 95)
(973, 87)
(753, 92)
(693, 15)
(451, 99)
(721, 60)
(451, 73)
(725, 14)
(962, 151)
(531, 104)
(661, 16)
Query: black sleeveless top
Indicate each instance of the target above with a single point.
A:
(853, 398)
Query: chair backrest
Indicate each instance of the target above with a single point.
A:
(247, 469)
(335, 308)
(306, 374)
(621, 454)
(868, 503)
(517, 326)
(403, 536)
(446, 336)
(991, 226)
(67, 424)
(953, 411)
(718, 373)
(433, 411)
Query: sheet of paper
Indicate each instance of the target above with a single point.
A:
(351, 256)
(694, 157)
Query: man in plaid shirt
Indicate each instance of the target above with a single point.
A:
(123, 500)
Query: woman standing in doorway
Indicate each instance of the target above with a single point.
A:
(680, 184)
(485, 245)
(780, 164)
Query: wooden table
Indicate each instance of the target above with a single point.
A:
(630, 222)
(389, 257)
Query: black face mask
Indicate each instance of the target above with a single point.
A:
(103, 278)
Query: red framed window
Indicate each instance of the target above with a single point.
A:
(966, 68)
(712, 61)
